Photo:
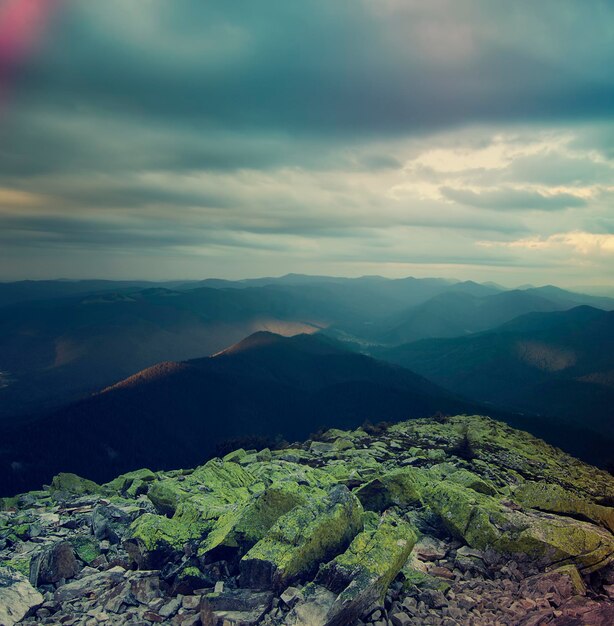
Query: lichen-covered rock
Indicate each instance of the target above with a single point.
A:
(66, 483)
(398, 487)
(554, 498)
(17, 597)
(112, 521)
(494, 507)
(131, 484)
(303, 538)
(554, 540)
(86, 547)
(361, 575)
(485, 523)
(247, 523)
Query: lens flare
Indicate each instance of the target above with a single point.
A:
(22, 24)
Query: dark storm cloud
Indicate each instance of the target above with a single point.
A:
(348, 68)
(128, 103)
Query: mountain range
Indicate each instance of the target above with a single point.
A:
(63, 340)
(106, 380)
(556, 364)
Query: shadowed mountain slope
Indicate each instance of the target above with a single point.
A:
(176, 413)
(556, 364)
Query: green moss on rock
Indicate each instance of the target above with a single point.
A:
(399, 487)
(303, 538)
(554, 498)
(74, 485)
(86, 548)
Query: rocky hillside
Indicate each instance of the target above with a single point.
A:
(456, 521)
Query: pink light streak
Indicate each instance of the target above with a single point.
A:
(22, 24)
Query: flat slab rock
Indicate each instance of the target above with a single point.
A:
(238, 607)
(17, 597)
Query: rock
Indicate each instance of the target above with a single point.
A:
(301, 539)
(190, 603)
(144, 586)
(313, 607)
(131, 484)
(235, 456)
(111, 523)
(398, 487)
(291, 596)
(170, 608)
(196, 503)
(86, 547)
(319, 447)
(94, 585)
(400, 619)
(430, 549)
(244, 525)
(554, 498)
(441, 572)
(580, 610)
(469, 560)
(564, 581)
(237, 606)
(361, 575)
(478, 519)
(18, 597)
(53, 564)
(65, 484)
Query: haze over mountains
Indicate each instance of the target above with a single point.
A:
(56, 347)
(112, 376)
(557, 364)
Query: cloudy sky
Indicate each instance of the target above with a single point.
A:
(194, 138)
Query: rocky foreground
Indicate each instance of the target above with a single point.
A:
(451, 521)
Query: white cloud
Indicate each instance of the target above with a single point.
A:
(582, 243)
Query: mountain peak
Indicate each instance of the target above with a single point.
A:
(256, 340)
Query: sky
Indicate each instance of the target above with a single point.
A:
(162, 139)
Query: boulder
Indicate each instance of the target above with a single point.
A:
(17, 597)
(483, 522)
(554, 498)
(430, 549)
(112, 522)
(564, 582)
(153, 539)
(71, 484)
(53, 564)
(131, 484)
(239, 607)
(247, 523)
(313, 607)
(92, 585)
(361, 575)
(302, 539)
(86, 547)
(399, 487)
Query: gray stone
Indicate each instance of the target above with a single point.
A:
(291, 596)
(313, 608)
(53, 564)
(400, 619)
(17, 597)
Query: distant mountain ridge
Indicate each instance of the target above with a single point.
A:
(557, 364)
(173, 413)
